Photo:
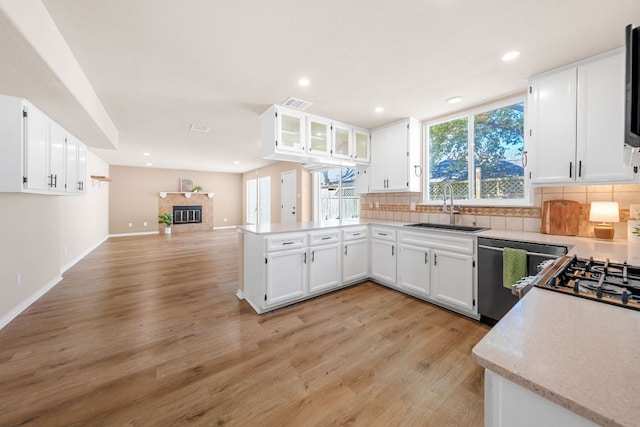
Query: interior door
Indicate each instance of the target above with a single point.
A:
(288, 196)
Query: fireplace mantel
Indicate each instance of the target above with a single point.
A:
(187, 194)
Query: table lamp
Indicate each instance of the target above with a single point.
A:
(605, 214)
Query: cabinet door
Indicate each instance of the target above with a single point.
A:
(601, 97)
(324, 267)
(552, 120)
(362, 179)
(341, 141)
(318, 136)
(355, 260)
(71, 172)
(397, 157)
(57, 143)
(378, 167)
(291, 130)
(361, 145)
(452, 280)
(36, 147)
(414, 269)
(286, 275)
(383, 261)
(82, 167)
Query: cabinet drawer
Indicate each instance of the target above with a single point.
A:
(324, 237)
(354, 233)
(383, 234)
(279, 242)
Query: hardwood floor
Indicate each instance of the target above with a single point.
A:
(148, 331)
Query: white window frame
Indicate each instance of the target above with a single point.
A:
(316, 194)
(469, 114)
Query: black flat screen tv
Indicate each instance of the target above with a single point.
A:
(632, 97)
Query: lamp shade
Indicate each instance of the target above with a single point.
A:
(604, 212)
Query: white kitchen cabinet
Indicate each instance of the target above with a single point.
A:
(452, 280)
(324, 261)
(33, 155)
(283, 131)
(414, 269)
(362, 179)
(318, 136)
(361, 149)
(342, 141)
(395, 150)
(383, 255)
(76, 166)
(286, 276)
(355, 254)
(576, 123)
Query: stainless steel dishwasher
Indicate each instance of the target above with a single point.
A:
(494, 300)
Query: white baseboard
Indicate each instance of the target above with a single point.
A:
(4, 320)
(226, 227)
(144, 233)
(82, 255)
(240, 294)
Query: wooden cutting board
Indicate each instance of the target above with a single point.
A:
(560, 217)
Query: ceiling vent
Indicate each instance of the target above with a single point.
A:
(296, 103)
(199, 128)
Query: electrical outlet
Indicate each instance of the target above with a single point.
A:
(634, 212)
(66, 249)
(413, 206)
(130, 224)
(225, 220)
(376, 204)
(18, 279)
(144, 223)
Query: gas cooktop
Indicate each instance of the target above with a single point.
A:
(603, 281)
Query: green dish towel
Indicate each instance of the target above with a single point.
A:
(514, 266)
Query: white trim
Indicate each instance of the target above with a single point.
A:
(134, 234)
(4, 320)
(82, 255)
(225, 227)
(483, 108)
(240, 294)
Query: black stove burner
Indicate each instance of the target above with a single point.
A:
(617, 284)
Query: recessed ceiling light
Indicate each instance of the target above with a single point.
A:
(454, 100)
(199, 128)
(510, 56)
(304, 82)
(146, 154)
(149, 164)
(236, 162)
(379, 109)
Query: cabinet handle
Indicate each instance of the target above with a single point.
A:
(305, 258)
(55, 181)
(570, 169)
(580, 169)
(435, 259)
(313, 256)
(525, 160)
(426, 257)
(356, 234)
(393, 250)
(287, 243)
(326, 238)
(382, 234)
(345, 249)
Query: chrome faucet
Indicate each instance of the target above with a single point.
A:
(447, 187)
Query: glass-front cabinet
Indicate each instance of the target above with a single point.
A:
(361, 145)
(291, 127)
(342, 141)
(319, 135)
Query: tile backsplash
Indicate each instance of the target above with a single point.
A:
(397, 206)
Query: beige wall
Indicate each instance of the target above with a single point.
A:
(303, 188)
(134, 192)
(35, 231)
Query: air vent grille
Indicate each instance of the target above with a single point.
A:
(296, 103)
(199, 128)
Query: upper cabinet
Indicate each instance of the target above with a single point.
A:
(34, 155)
(292, 135)
(395, 151)
(576, 123)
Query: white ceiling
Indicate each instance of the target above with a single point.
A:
(160, 65)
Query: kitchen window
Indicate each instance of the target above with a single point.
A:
(335, 195)
(481, 154)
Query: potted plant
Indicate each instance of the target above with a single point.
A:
(197, 188)
(167, 220)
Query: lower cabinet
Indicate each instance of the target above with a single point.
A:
(452, 279)
(383, 255)
(324, 271)
(355, 259)
(414, 267)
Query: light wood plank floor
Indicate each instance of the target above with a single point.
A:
(148, 331)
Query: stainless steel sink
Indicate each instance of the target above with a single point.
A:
(464, 228)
